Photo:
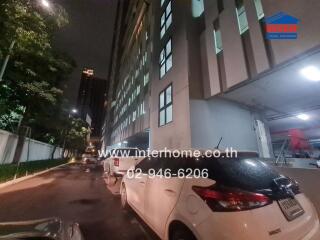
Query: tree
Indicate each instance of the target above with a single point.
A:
(76, 135)
(35, 70)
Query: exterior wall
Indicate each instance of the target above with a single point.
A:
(216, 118)
(257, 38)
(308, 36)
(177, 133)
(32, 150)
(8, 143)
(233, 52)
(195, 76)
(133, 45)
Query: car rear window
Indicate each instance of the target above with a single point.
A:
(246, 173)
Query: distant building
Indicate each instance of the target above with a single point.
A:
(91, 100)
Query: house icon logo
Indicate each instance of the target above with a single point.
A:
(281, 26)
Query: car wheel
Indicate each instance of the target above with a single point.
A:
(124, 201)
(182, 234)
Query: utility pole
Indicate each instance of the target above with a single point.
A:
(6, 60)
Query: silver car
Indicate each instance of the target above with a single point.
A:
(44, 229)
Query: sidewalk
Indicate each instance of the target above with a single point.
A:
(17, 180)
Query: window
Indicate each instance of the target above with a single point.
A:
(165, 106)
(134, 116)
(259, 9)
(166, 19)
(145, 79)
(242, 17)
(162, 2)
(148, 163)
(217, 39)
(197, 8)
(138, 90)
(166, 59)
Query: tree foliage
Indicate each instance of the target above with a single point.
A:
(31, 88)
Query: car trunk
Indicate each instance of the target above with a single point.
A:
(290, 215)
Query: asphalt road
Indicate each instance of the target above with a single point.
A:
(73, 194)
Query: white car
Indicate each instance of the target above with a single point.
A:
(120, 160)
(217, 198)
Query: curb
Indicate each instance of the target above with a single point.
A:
(18, 180)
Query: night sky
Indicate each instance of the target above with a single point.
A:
(88, 38)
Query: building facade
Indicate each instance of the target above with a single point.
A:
(191, 72)
(91, 100)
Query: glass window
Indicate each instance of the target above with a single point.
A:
(166, 58)
(169, 114)
(165, 106)
(242, 17)
(217, 40)
(162, 100)
(166, 19)
(259, 9)
(146, 79)
(162, 2)
(169, 94)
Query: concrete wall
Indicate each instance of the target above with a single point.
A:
(234, 59)
(308, 35)
(32, 150)
(8, 143)
(216, 118)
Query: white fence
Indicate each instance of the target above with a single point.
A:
(32, 150)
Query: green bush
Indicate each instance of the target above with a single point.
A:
(8, 171)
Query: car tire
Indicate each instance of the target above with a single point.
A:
(124, 200)
(182, 233)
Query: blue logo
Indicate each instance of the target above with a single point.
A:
(281, 26)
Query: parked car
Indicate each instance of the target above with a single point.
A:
(44, 229)
(239, 198)
(120, 160)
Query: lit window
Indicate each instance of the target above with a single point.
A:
(217, 39)
(242, 17)
(165, 106)
(166, 59)
(259, 9)
(197, 8)
(138, 90)
(134, 115)
(146, 79)
(166, 19)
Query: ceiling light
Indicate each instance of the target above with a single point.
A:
(303, 116)
(311, 73)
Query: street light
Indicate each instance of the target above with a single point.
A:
(45, 3)
(74, 110)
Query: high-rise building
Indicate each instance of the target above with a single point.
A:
(187, 73)
(91, 100)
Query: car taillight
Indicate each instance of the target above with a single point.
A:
(221, 199)
(116, 162)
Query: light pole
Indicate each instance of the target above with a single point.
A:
(6, 60)
(45, 4)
